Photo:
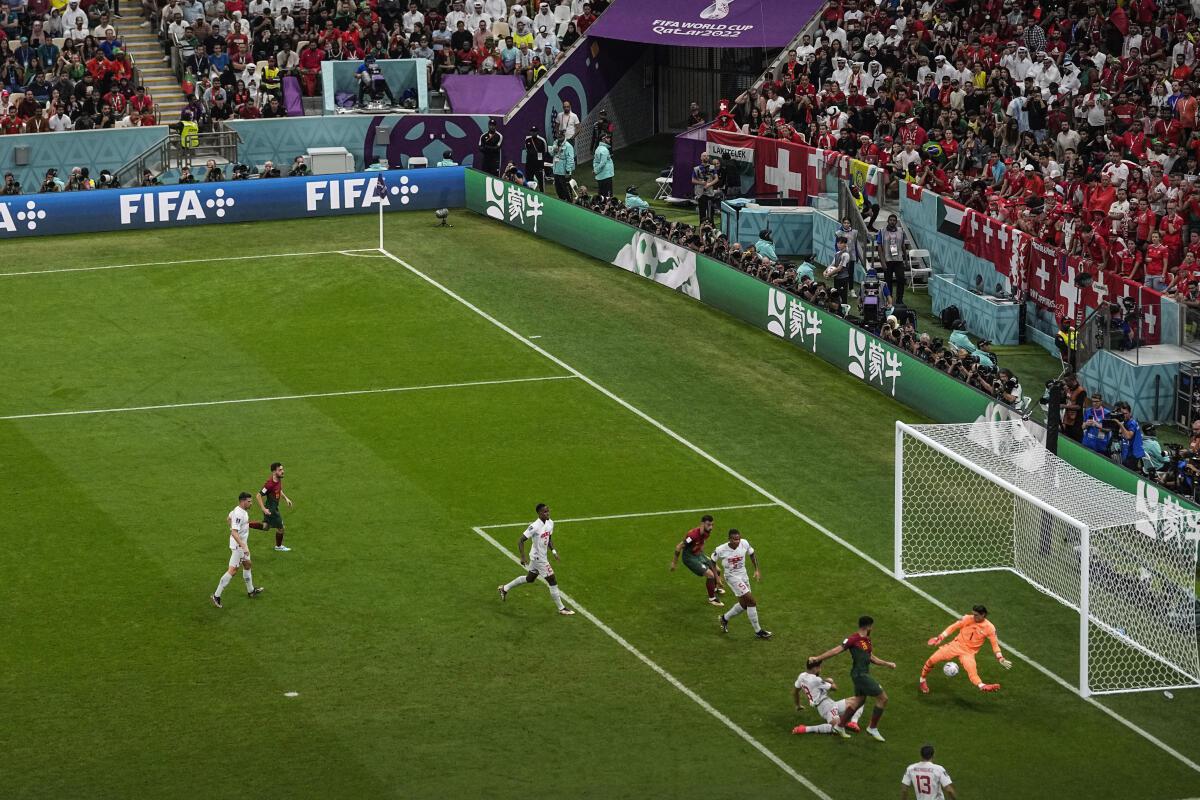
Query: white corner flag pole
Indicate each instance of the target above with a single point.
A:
(382, 201)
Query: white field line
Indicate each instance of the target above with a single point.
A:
(239, 401)
(361, 253)
(671, 679)
(1154, 740)
(641, 514)
(180, 261)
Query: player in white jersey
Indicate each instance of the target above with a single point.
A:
(929, 781)
(239, 551)
(810, 684)
(732, 557)
(540, 534)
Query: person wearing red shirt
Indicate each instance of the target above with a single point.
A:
(1145, 221)
(1171, 227)
(725, 122)
(1093, 247)
(1168, 129)
(1158, 256)
(310, 67)
(1126, 260)
(141, 101)
(902, 106)
(585, 20)
(1186, 107)
(1035, 185)
(912, 133)
(1193, 245)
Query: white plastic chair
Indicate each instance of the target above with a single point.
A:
(664, 185)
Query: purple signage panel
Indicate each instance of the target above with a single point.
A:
(706, 23)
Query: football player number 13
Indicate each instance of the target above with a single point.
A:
(924, 785)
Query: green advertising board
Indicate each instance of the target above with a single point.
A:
(847, 347)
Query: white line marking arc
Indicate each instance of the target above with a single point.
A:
(313, 395)
(641, 514)
(1166, 748)
(671, 679)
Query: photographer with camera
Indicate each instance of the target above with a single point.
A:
(1007, 388)
(1132, 448)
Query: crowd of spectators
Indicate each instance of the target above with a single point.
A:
(234, 55)
(1076, 122)
(88, 82)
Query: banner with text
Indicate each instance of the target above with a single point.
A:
(847, 347)
(706, 23)
(230, 201)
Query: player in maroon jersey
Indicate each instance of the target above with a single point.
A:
(692, 548)
(268, 501)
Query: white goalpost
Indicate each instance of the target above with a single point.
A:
(988, 496)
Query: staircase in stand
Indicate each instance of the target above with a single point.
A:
(161, 84)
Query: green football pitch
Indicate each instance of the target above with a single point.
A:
(417, 424)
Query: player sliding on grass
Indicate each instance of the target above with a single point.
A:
(694, 559)
(816, 689)
(862, 656)
(972, 630)
(732, 557)
(239, 551)
(271, 491)
(541, 531)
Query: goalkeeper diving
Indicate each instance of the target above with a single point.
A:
(972, 630)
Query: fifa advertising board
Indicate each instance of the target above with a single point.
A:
(229, 201)
(895, 372)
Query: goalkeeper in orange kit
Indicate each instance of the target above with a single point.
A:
(972, 630)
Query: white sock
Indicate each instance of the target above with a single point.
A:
(248, 579)
(823, 728)
(858, 712)
(225, 579)
(733, 612)
(557, 597)
(514, 583)
(752, 612)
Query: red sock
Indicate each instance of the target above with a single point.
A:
(711, 585)
(258, 526)
(875, 715)
(278, 538)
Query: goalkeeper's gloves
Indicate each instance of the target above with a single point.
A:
(935, 641)
(1004, 662)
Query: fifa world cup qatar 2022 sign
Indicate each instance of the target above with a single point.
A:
(706, 23)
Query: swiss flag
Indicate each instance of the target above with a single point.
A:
(913, 191)
(781, 167)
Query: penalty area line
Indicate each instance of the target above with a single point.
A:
(671, 679)
(798, 514)
(183, 261)
(313, 395)
(640, 514)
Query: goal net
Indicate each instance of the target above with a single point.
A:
(988, 496)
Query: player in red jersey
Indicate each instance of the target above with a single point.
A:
(268, 502)
(692, 548)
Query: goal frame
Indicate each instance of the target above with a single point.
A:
(1083, 609)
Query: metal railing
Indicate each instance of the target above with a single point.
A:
(169, 153)
(153, 158)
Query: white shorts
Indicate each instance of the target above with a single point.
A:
(827, 708)
(237, 556)
(541, 567)
(739, 585)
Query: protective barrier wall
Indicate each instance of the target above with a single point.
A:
(872, 361)
(229, 201)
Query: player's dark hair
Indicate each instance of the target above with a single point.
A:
(732, 531)
(275, 465)
(244, 496)
(812, 662)
(927, 751)
(706, 518)
(864, 621)
(980, 609)
(540, 507)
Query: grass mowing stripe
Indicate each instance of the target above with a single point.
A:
(671, 679)
(1154, 740)
(180, 261)
(237, 401)
(641, 514)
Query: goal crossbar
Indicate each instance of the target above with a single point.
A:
(988, 496)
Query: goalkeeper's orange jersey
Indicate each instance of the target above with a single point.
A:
(971, 633)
